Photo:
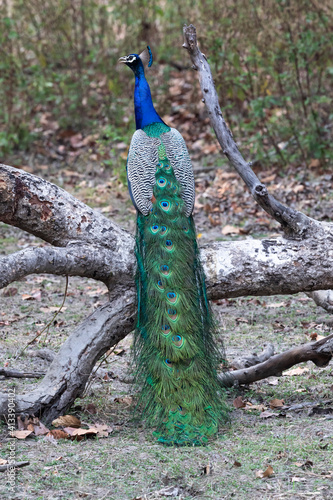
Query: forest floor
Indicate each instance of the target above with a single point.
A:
(283, 426)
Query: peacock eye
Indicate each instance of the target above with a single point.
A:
(162, 181)
(154, 228)
(168, 243)
(164, 268)
(166, 329)
(171, 295)
(164, 204)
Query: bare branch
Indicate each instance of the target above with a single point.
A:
(269, 266)
(16, 374)
(294, 223)
(90, 261)
(232, 268)
(319, 352)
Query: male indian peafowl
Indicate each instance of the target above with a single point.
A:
(176, 357)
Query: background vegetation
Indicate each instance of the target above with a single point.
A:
(272, 61)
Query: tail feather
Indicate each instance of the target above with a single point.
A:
(176, 357)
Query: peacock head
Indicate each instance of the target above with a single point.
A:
(135, 61)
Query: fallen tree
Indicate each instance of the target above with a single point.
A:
(82, 242)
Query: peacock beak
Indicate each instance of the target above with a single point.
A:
(122, 59)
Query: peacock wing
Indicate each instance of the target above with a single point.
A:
(176, 152)
(141, 167)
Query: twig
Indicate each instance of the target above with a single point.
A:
(5, 467)
(17, 374)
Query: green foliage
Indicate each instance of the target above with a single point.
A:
(272, 64)
(273, 71)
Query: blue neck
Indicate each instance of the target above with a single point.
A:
(145, 113)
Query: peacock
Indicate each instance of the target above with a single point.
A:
(176, 357)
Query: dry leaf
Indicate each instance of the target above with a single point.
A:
(21, 434)
(3, 462)
(305, 465)
(267, 473)
(295, 371)
(26, 296)
(79, 434)
(40, 429)
(267, 414)
(103, 430)
(67, 421)
(57, 434)
(238, 402)
(276, 403)
(251, 407)
(126, 400)
(314, 163)
(230, 230)
(237, 464)
(272, 381)
(91, 408)
(241, 320)
(316, 336)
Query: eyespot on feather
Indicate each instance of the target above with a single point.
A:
(172, 297)
(160, 285)
(165, 205)
(177, 340)
(165, 269)
(169, 245)
(172, 313)
(168, 363)
(166, 329)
